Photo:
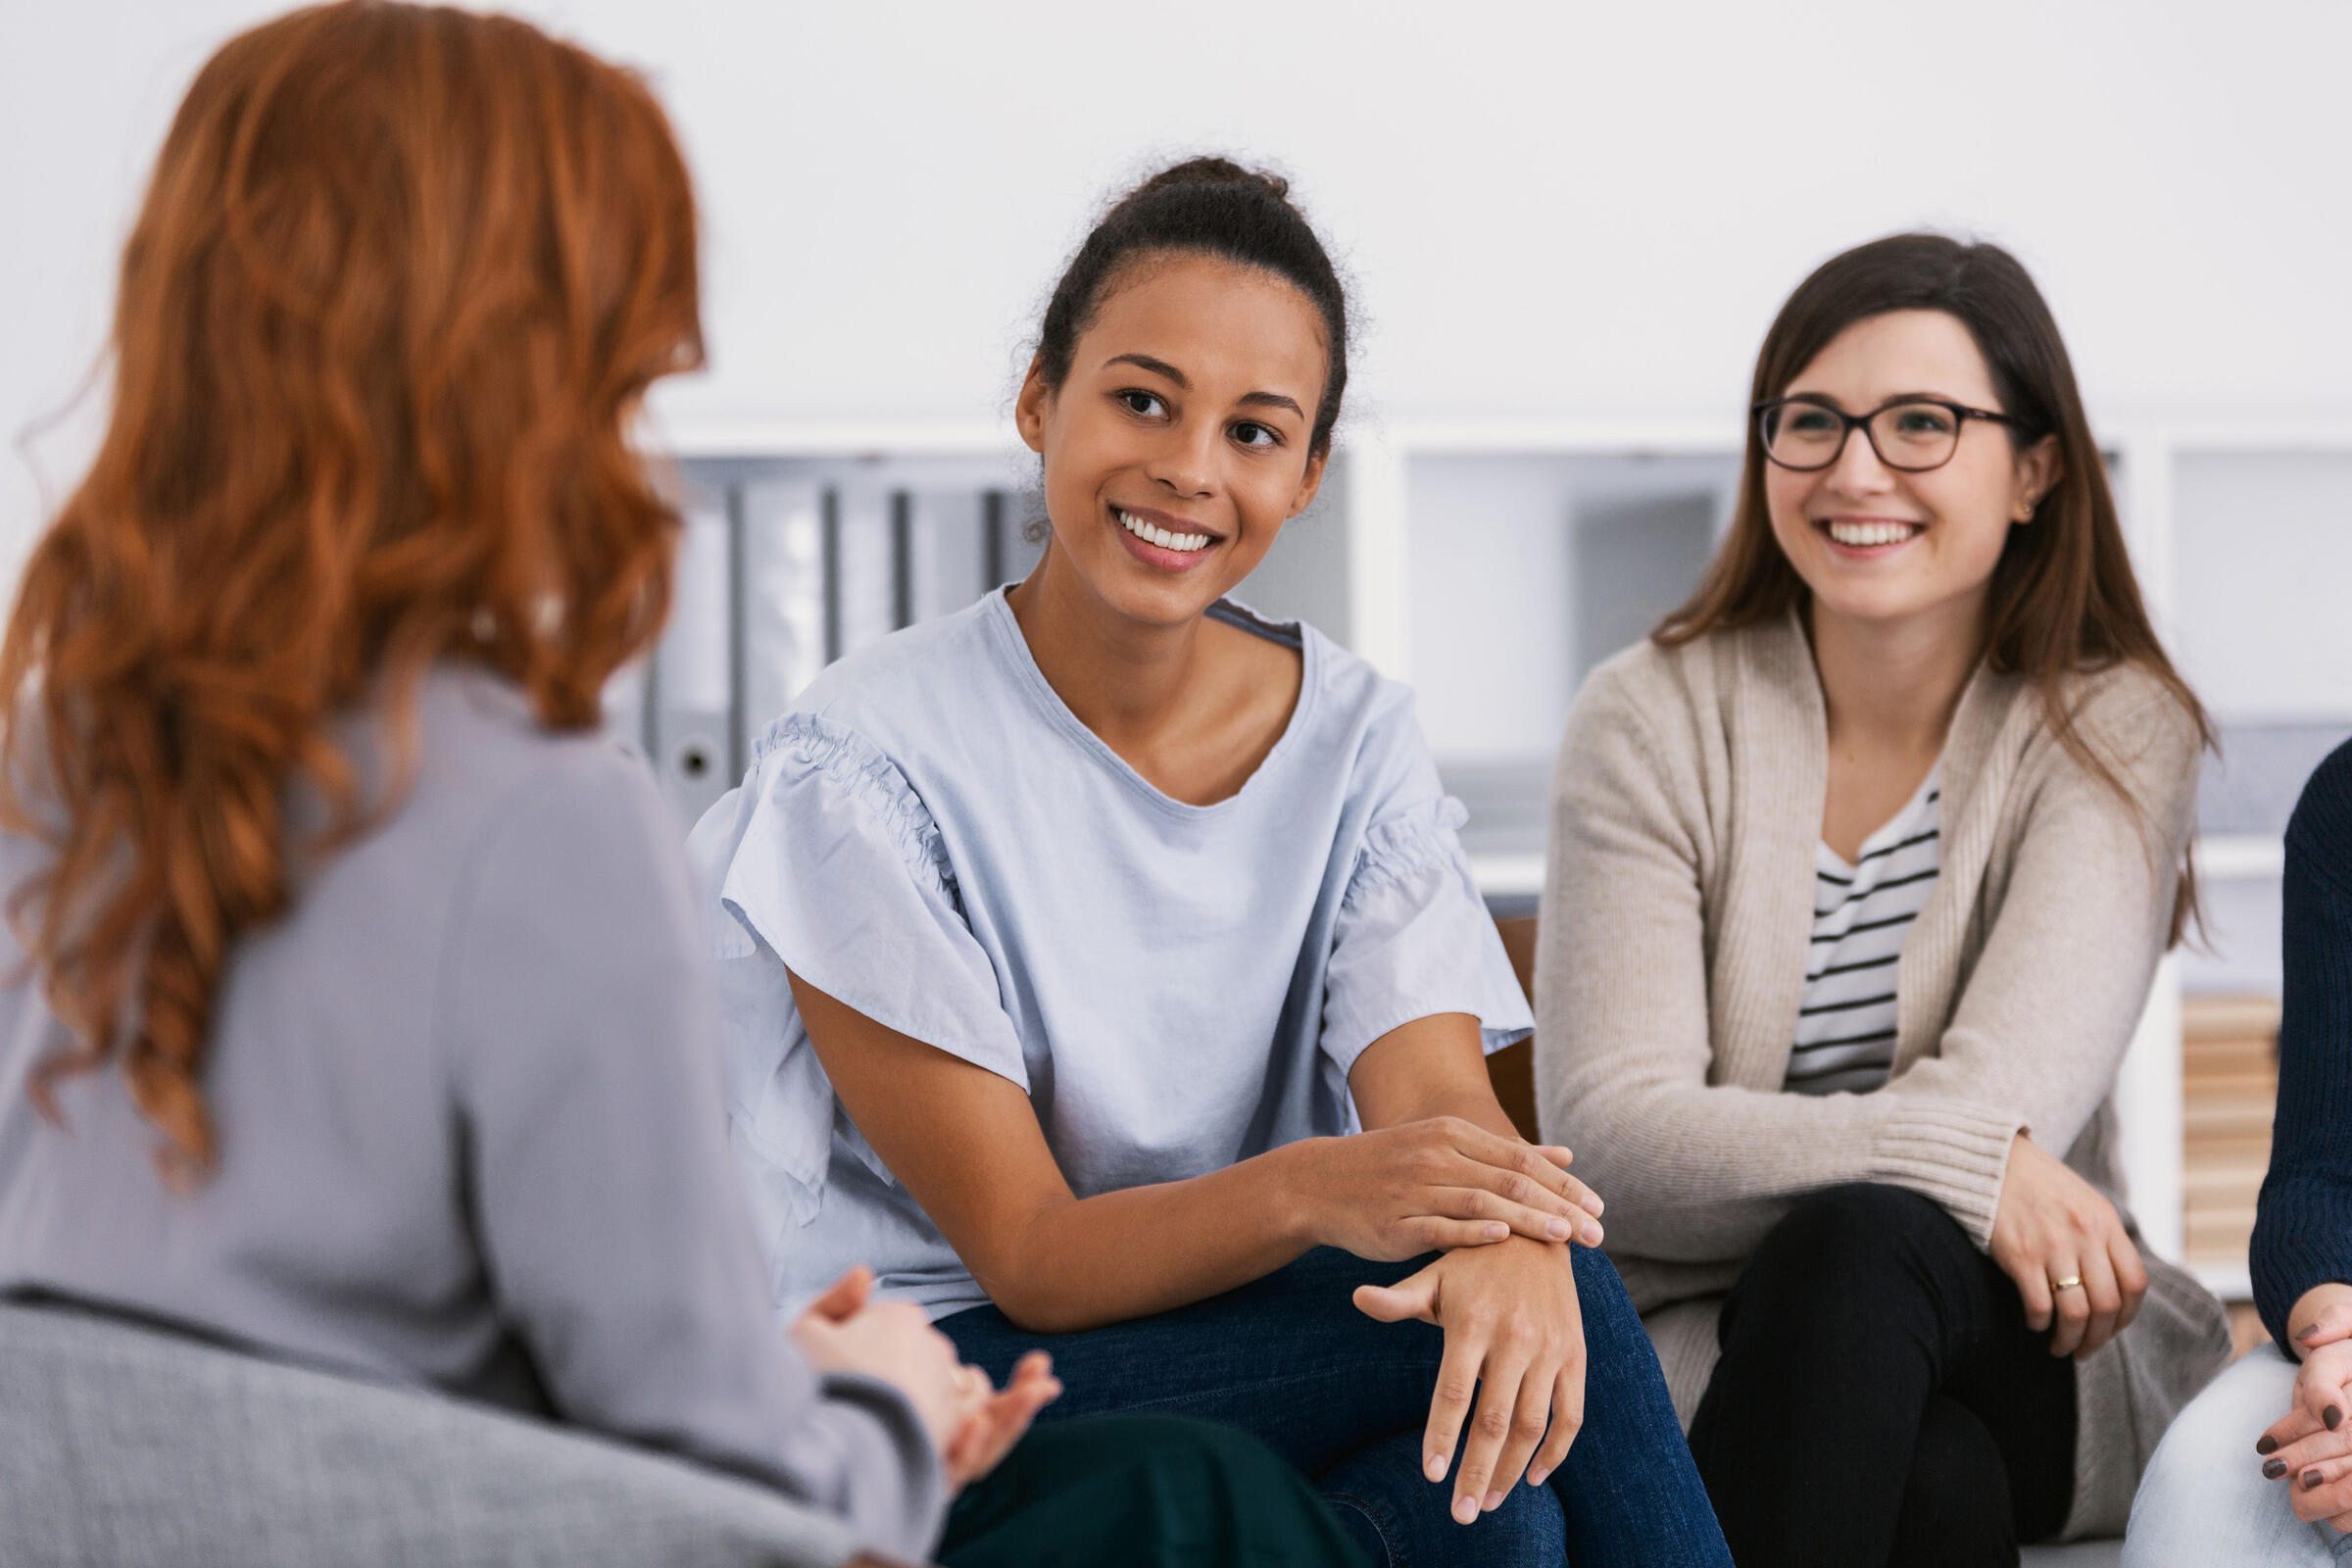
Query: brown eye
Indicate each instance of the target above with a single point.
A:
(1250, 433)
(1138, 402)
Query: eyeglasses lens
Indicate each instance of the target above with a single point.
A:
(1800, 435)
(1914, 437)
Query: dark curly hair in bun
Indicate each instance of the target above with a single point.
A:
(1209, 207)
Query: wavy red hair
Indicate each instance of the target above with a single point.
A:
(396, 291)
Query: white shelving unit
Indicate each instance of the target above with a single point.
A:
(1449, 552)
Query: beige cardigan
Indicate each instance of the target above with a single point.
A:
(1672, 955)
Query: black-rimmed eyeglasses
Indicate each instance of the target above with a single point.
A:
(1910, 435)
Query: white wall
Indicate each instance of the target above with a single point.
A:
(1550, 208)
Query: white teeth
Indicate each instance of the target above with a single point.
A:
(1159, 536)
(1864, 535)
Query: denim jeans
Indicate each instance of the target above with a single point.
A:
(1290, 1360)
(2204, 1498)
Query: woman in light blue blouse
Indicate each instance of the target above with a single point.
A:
(1065, 938)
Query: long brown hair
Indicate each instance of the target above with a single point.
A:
(401, 280)
(2063, 600)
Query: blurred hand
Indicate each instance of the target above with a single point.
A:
(972, 1424)
(843, 1330)
(1001, 1417)
(2052, 1225)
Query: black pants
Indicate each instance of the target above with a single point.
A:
(1880, 1399)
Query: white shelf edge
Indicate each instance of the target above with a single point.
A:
(754, 438)
(2241, 858)
(1634, 437)
(2286, 435)
(1508, 876)
(2229, 1281)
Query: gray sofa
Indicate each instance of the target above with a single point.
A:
(125, 1447)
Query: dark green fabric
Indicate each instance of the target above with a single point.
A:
(1147, 1491)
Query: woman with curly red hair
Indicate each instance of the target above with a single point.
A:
(359, 1011)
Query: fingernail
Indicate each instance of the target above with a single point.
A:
(1433, 1467)
(2332, 1416)
(2310, 1480)
(1559, 1230)
(1465, 1508)
(2265, 1444)
(2308, 1335)
(1536, 1477)
(1592, 1234)
(2273, 1469)
(1496, 1231)
(1593, 1203)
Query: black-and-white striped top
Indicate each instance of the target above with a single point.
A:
(1861, 914)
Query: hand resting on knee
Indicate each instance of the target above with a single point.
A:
(2064, 1244)
(2309, 1450)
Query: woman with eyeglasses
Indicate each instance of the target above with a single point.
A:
(1860, 870)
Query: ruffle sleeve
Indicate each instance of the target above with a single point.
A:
(1414, 938)
(826, 862)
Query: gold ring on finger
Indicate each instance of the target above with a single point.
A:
(2073, 1282)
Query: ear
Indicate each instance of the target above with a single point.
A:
(2040, 468)
(1030, 409)
(1311, 482)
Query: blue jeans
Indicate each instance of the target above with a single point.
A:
(1291, 1360)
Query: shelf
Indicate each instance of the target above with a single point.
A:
(2229, 1281)
(2241, 858)
(755, 440)
(1508, 876)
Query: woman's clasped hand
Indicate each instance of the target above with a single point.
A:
(2064, 1244)
(2310, 1448)
(1423, 1186)
(972, 1423)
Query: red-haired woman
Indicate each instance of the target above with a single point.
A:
(371, 1027)
(1860, 868)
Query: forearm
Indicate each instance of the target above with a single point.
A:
(1429, 1067)
(1081, 1262)
(1474, 1103)
(1700, 1173)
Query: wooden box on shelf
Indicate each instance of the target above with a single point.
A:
(2228, 1090)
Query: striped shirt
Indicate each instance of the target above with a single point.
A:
(1861, 914)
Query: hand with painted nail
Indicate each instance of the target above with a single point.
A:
(2310, 1448)
(1515, 1338)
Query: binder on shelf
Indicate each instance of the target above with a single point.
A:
(692, 729)
(782, 569)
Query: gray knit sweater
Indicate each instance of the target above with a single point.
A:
(1676, 910)
(472, 1134)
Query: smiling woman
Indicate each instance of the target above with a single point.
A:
(1105, 967)
(1860, 870)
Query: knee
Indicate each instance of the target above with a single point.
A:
(1861, 1227)
(1611, 1325)
(2203, 1498)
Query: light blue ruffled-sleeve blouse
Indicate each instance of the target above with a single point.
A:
(932, 837)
